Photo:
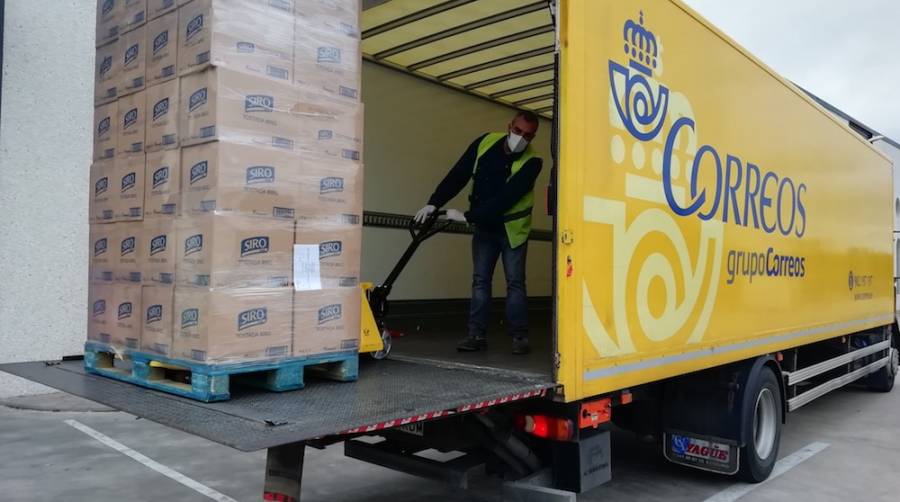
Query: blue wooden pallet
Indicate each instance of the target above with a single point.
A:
(212, 382)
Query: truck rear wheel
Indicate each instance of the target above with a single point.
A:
(763, 418)
(883, 379)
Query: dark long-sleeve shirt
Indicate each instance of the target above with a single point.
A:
(494, 191)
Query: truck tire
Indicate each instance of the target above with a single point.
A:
(763, 419)
(883, 379)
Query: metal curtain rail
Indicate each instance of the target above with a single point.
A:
(402, 221)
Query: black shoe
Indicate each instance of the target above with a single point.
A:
(520, 346)
(471, 344)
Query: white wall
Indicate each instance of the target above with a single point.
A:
(45, 147)
(414, 132)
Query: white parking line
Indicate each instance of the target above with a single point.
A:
(787, 463)
(152, 464)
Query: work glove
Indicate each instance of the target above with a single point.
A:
(424, 213)
(456, 215)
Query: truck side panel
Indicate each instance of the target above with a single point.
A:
(708, 211)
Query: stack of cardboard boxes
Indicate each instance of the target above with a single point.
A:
(227, 178)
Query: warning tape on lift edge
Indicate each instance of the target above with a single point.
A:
(444, 413)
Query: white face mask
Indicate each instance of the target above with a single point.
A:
(516, 143)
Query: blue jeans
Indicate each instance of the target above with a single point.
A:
(487, 247)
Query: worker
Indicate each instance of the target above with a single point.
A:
(504, 168)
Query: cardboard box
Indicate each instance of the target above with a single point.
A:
(128, 264)
(104, 255)
(100, 312)
(335, 246)
(227, 33)
(328, 128)
(107, 70)
(162, 39)
(133, 58)
(158, 319)
(226, 326)
(328, 62)
(132, 123)
(162, 189)
(106, 121)
(234, 178)
(328, 187)
(331, 15)
(162, 116)
(158, 251)
(102, 206)
(126, 331)
(326, 321)
(224, 105)
(234, 251)
(157, 8)
(108, 14)
(134, 15)
(128, 197)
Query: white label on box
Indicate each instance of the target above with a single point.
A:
(306, 267)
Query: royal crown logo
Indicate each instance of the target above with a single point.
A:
(259, 103)
(189, 318)
(330, 248)
(160, 176)
(260, 174)
(330, 313)
(252, 317)
(331, 184)
(254, 245)
(197, 99)
(160, 41)
(193, 244)
(154, 313)
(160, 109)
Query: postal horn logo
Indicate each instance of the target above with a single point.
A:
(663, 283)
(252, 317)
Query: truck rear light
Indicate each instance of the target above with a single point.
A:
(546, 427)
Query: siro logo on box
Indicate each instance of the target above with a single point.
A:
(252, 317)
(260, 174)
(154, 313)
(194, 26)
(329, 249)
(128, 181)
(99, 307)
(199, 171)
(330, 313)
(331, 184)
(160, 42)
(246, 47)
(101, 186)
(158, 244)
(160, 109)
(132, 53)
(105, 66)
(198, 99)
(254, 245)
(160, 176)
(130, 118)
(193, 244)
(124, 310)
(189, 317)
(127, 246)
(100, 247)
(328, 55)
(107, 7)
(103, 127)
(259, 103)
(326, 134)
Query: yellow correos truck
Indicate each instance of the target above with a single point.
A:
(718, 253)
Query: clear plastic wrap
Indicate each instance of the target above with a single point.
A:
(232, 325)
(107, 70)
(109, 12)
(104, 253)
(157, 8)
(162, 184)
(128, 243)
(133, 61)
(327, 59)
(101, 207)
(132, 111)
(126, 321)
(100, 305)
(158, 319)
(106, 130)
(128, 187)
(331, 247)
(134, 15)
(326, 321)
(162, 116)
(162, 52)
(157, 255)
